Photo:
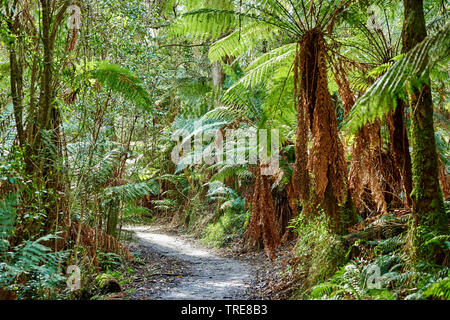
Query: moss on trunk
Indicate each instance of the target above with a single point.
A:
(429, 218)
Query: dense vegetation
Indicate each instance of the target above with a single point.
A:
(96, 95)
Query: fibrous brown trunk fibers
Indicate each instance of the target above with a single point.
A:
(263, 224)
(344, 90)
(301, 175)
(373, 176)
(94, 238)
(400, 148)
(363, 170)
(326, 160)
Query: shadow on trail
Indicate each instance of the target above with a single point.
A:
(212, 277)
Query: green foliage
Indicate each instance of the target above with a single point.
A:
(241, 40)
(266, 66)
(231, 170)
(165, 204)
(427, 281)
(109, 260)
(344, 282)
(203, 24)
(122, 81)
(229, 198)
(320, 251)
(132, 191)
(7, 127)
(30, 268)
(439, 290)
(196, 97)
(7, 220)
(232, 218)
(111, 159)
(227, 227)
(395, 279)
(408, 72)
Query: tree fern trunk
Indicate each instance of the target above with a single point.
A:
(429, 219)
(326, 158)
(400, 148)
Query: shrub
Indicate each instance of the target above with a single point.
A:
(29, 270)
(321, 252)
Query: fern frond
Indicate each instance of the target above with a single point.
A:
(439, 290)
(226, 114)
(132, 191)
(230, 170)
(32, 254)
(165, 204)
(410, 70)
(204, 24)
(7, 220)
(122, 81)
(265, 68)
(241, 40)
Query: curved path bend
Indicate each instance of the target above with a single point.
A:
(211, 277)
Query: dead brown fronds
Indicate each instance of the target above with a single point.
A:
(92, 239)
(263, 224)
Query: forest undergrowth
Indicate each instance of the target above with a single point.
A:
(308, 138)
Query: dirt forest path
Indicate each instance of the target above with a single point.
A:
(207, 276)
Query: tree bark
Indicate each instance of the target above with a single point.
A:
(326, 161)
(400, 148)
(429, 218)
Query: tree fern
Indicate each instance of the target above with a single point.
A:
(204, 24)
(241, 40)
(408, 71)
(132, 191)
(122, 81)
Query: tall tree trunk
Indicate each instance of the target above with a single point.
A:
(47, 120)
(400, 148)
(46, 146)
(218, 74)
(17, 90)
(400, 143)
(429, 218)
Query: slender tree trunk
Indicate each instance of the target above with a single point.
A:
(218, 74)
(429, 218)
(400, 143)
(400, 148)
(17, 91)
(48, 119)
(45, 145)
